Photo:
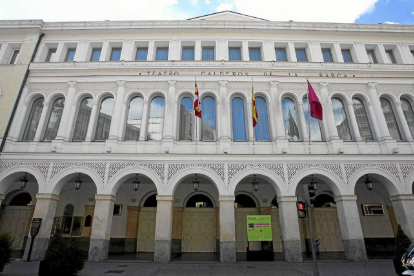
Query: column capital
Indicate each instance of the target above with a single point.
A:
(409, 197)
(403, 44)
(101, 197)
(223, 83)
(222, 40)
(227, 198)
(314, 42)
(175, 40)
(346, 198)
(120, 83)
(286, 199)
(145, 101)
(47, 196)
(72, 84)
(46, 103)
(128, 41)
(82, 42)
(324, 85)
(358, 43)
(399, 103)
(350, 103)
(172, 83)
(268, 41)
(165, 198)
(274, 84)
(372, 85)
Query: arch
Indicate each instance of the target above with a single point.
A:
(321, 199)
(52, 97)
(291, 119)
(32, 119)
(209, 118)
(362, 97)
(202, 171)
(291, 95)
(132, 94)
(33, 96)
(146, 196)
(362, 118)
(207, 94)
(251, 196)
(393, 99)
(10, 175)
(264, 95)
(390, 182)
(409, 183)
(121, 176)
(81, 96)
(104, 95)
(341, 114)
(336, 184)
(199, 193)
(391, 117)
(273, 179)
(340, 95)
(405, 95)
(11, 195)
(239, 119)
(235, 94)
(156, 93)
(134, 111)
(59, 180)
(183, 94)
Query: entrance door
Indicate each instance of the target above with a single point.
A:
(199, 230)
(241, 229)
(327, 230)
(146, 229)
(16, 220)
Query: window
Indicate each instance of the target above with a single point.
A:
(362, 120)
(156, 119)
(371, 56)
(373, 209)
(255, 54)
(208, 53)
(346, 54)
(261, 131)
(290, 119)
(315, 131)
(134, 122)
(161, 54)
(96, 54)
(301, 55)
(33, 120)
(51, 55)
(238, 120)
(408, 114)
(235, 53)
(116, 54)
(14, 56)
(208, 120)
(281, 54)
(390, 119)
(186, 119)
(142, 54)
(71, 225)
(327, 55)
(70, 54)
(82, 121)
(104, 119)
(54, 119)
(117, 210)
(341, 120)
(390, 55)
(187, 53)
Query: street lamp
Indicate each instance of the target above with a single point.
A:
(78, 182)
(135, 183)
(255, 184)
(368, 183)
(23, 181)
(312, 187)
(196, 183)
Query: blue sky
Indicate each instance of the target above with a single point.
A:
(348, 11)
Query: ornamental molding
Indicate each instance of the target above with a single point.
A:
(354, 168)
(174, 169)
(406, 169)
(41, 167)
(97, 167)
(141, 86)
(408, 88)
(235, 169)
(294, 169)
(115, 167)
(353, 88)
(45, 86)
(256, 87)
(92, 86)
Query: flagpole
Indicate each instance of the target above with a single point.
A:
(254, 138)
(309, 119)
(196, 121)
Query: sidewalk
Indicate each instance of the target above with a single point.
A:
(112, 268)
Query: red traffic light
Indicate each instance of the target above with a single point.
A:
(302, 210)
(301, 206)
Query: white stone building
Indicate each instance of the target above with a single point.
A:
(108, 102)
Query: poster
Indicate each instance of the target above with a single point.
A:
(259, 228)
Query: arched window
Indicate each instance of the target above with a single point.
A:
(33, 120)
(134, 122)
(208, 120)
(290, 119)
(151, 201)
(316, 133)
(341, 120)
(244, 201)
(238, 119)
(82, 121)
(199, 201)
(362, 119)
(54, 119)
(274, 203)
(261, 131)
(324, 200)
(156, 119)
(104, 119)
(390, 119)
(186, 119)
(408, 114)
(22, 199)
(88, 221)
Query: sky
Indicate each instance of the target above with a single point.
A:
(344, 11)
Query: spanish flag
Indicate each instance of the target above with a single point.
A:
(254, 110)
(197, 105)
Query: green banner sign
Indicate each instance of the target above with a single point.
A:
(259, 228)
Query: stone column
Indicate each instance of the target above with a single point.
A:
(169, 110)
(302, 121)
(45, 209)
(381, 55)
(101, 228)
(351, 231)
(403, 208)
(127, 50)
(92, 120)
(222, 50)
(328, 112)
(80, 51)
(379, 114)
(163, 229)
(144, 122)
(337, 53)
(315, 52)
(151, 50)
(224, 120)
(245, 51)
(64, 122)
(42, 121)
(375, 126)
(289, 226)
(21, 113)
(174, 50)
(291, 52)
(123, 121)
(227, 230)
(269, 50)
(403, 122)
(353, 121)
(198, 50)
(116, 114)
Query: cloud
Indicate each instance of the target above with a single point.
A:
(207, 2)
(390, 22)
(411, 12)
(194, 2)
(305, 10)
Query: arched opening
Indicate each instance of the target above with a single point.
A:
(199, 201)
(244, 201)
(21, 199)
(151, 201)
(323, 200)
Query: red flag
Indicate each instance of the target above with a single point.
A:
(316, 110)
(197, 105)
(254, 110)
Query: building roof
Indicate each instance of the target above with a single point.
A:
(228, 15)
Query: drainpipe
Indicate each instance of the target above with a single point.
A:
(16, 103)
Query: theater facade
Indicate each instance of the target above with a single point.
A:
(105, 145)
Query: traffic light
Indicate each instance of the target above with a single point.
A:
(302, 210)
(316, 242)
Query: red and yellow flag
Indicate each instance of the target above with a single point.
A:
(254, 110)
(197, 105)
